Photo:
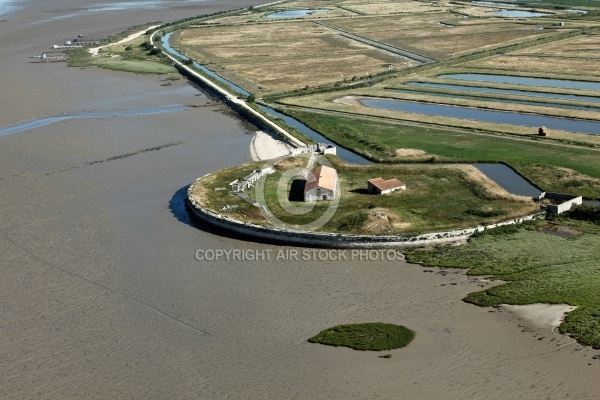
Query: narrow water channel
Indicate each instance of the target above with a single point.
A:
(342, 153)
(480, 89)
(523, 80)
(524, 102)
(231, 85)
(25, 126)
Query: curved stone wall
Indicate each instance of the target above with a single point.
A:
(272, 234)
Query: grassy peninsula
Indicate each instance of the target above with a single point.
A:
(437, 198)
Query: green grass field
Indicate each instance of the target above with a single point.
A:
(542, 162)
(133, 56)
(538, 268)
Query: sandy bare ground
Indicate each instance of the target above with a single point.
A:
(348, 100)
(101, 295)
(265, 147)
(94, 50)
(543, 316)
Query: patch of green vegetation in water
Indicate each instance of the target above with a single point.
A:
(374, 336)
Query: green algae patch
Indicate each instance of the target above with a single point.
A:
(373, 336)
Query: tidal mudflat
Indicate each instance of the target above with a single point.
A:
(101, 295)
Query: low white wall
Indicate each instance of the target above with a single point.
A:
(566, 206)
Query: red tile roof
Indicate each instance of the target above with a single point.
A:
(323, 177)
(382, 184)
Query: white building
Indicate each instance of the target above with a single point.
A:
(382, 186)
(320, 184)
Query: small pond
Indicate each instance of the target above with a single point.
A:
(495, 4)
(294, 13)
(518, 13)
(593, 203)
(342, 153)
(560, 231)
(25, 126)
(508, 179)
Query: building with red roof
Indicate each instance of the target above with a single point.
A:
(320, 184)
(382, 186)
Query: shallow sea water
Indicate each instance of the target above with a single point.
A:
(102, 297)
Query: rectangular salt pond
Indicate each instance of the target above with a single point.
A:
(524, 80)
(500, 117)
(293, 13)
(518, 14)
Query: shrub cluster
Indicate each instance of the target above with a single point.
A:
(353, 221)
(586, 213)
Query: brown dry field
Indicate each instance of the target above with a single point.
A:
(581, 46)
(282, 56)
(542, 66)
(575, 57)
(382, 7)
(423, 33)
(572, 57)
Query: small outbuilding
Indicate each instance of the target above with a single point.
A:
(382, 186)
(320, 184)
(543, 131)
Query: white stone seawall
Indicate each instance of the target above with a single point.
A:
(333, 240)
